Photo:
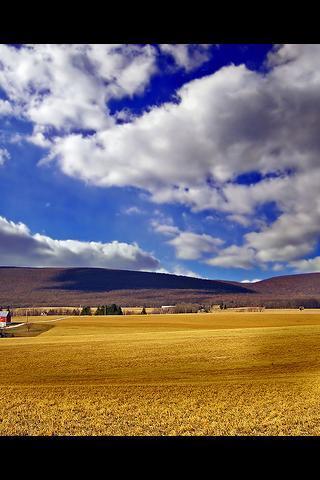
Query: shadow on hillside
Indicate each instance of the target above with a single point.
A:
(102, 280)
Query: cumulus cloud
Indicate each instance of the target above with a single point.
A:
(238, 218)
(125, 115)
(165, 228)
(231, 122)
(291, 236)
(188, 245)
(192, 246)
(19, 247)
(187, 56)
(234, 256)
(190, 151)
(6, 108)
(277, 267)
(307, 265)
(4, 155)
(68, 86)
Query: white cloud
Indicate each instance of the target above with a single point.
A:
(6, 108)
(238, 218)
(226, 124)
(223, 125)
(251, 281)
(234, 257)
(179, 270)
(68, 86)
(19, 247)
(4, 155)
(132, 210)
(164, 228)
(307, 265)
(192, 246)
(277, 267)
(187, 56)
(188, 245)
(124, 115)
(291, 236)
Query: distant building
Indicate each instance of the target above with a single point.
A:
(167, 307)
(215, 307)
(202, 309)
(5, 316)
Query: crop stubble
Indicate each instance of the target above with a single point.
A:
(205, 374)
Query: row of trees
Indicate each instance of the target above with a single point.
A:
(112, 309)
(33, 312)
(133, 312)
(182, 308)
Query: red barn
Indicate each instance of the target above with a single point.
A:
(5, 316)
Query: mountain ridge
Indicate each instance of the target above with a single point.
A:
(58, 286)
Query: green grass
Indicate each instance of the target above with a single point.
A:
(30, 330)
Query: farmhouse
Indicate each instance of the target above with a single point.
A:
(5, 316)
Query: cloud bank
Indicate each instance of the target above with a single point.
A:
(19, 247)
(191, 151)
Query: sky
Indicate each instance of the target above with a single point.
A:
(192, 159)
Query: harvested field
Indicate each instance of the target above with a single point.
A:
(206, 374)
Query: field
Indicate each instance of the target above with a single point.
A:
(225, 373)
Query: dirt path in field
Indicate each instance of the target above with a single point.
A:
(41, 321)
(15, 326)
(54, 320)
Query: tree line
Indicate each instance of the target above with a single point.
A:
(112, 309)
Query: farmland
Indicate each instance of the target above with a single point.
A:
(225, 373)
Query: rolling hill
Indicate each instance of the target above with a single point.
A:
(301, 284)
(23, 286)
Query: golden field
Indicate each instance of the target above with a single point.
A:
(225, 373)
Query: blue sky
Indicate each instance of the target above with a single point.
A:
(191, 159)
